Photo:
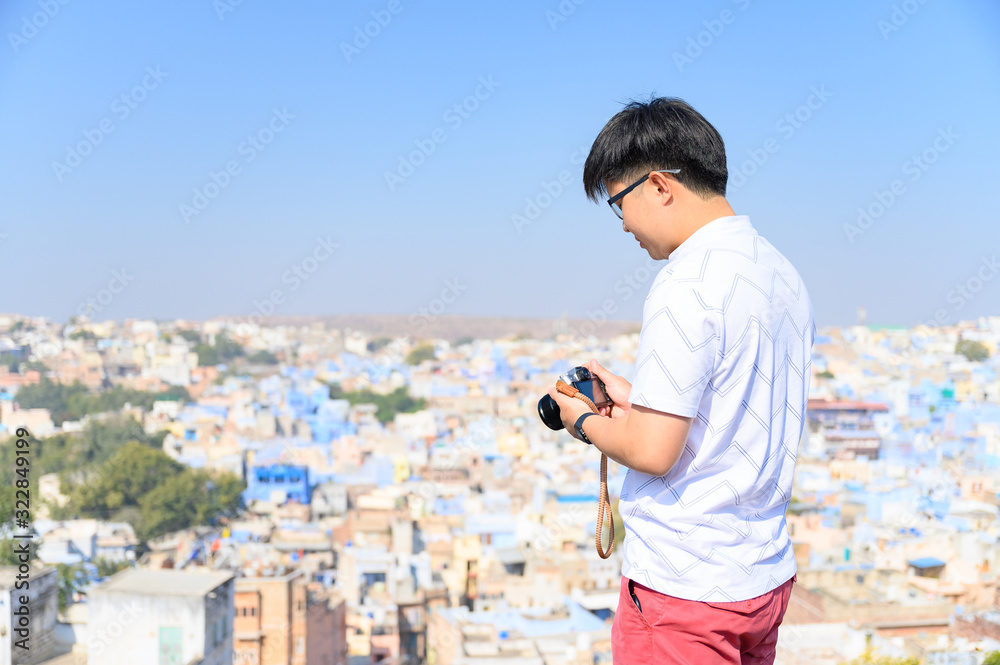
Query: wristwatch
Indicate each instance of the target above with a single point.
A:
(578, 426)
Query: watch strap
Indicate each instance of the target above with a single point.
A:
(578, 426)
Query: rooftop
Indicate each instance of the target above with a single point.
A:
(163, 582)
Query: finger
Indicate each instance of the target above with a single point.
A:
(597, 369)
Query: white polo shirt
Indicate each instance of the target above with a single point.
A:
(727, 334)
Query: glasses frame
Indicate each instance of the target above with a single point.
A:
(615, 201)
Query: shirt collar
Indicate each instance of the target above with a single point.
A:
(717, 228)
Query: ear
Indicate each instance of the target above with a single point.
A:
(664, 186)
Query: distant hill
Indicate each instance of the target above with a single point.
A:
(454, 327)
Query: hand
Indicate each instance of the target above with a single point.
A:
(570, 409)
(618, 390)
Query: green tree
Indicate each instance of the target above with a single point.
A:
(107, 567)
(972, 350)
(462, 341)
(75, 401)
(154, 493)
(123, 480)
(8, 557)
(263, 357)
(825, 374)
(190, 335)
(420, 353)
(992, 658)
(223, 351)
(377, 345)
(872, 657)
(69, 580)
(398, 401)
(55, 397)
(82, 334)
(189, 498)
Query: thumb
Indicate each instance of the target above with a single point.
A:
(596, 368)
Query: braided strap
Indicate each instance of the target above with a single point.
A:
(603, 502)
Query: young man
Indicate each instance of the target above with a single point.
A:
(710, 426)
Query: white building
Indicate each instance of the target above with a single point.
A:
(171, 617)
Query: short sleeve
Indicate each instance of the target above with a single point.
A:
(678, 350)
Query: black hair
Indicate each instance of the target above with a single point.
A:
(663, 133)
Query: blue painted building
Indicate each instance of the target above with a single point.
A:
(272, 482)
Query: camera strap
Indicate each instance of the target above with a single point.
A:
(603, 504)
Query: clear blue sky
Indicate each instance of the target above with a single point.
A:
(68, 224)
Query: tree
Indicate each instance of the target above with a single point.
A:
(107, 567)
(134, 471)
(420, 354)
(223, 351)
(992, 658)
(69, 580)
(972, 350)
(398, 401)
(154, 493)
(872, 657)
(825, 374)
(462, 341)
(75, 401)
(263, 357)
(189, 498)
(8, 557)
(190, 335)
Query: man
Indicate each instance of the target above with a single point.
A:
(710, 425)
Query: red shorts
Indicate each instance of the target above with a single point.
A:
(672, 630)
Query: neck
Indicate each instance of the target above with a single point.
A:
(705, 211)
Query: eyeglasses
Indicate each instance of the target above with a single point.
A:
(615, 201)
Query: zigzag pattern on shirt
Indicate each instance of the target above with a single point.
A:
(677, 387)
(680, 331)
(708, 254)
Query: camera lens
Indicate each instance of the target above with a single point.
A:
(548, 411)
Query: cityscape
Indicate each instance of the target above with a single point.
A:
(217, 492)
(288, 290)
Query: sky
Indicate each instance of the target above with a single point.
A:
(206, 158)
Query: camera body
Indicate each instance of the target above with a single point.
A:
(583, 380)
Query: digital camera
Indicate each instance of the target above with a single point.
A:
(581, 379)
